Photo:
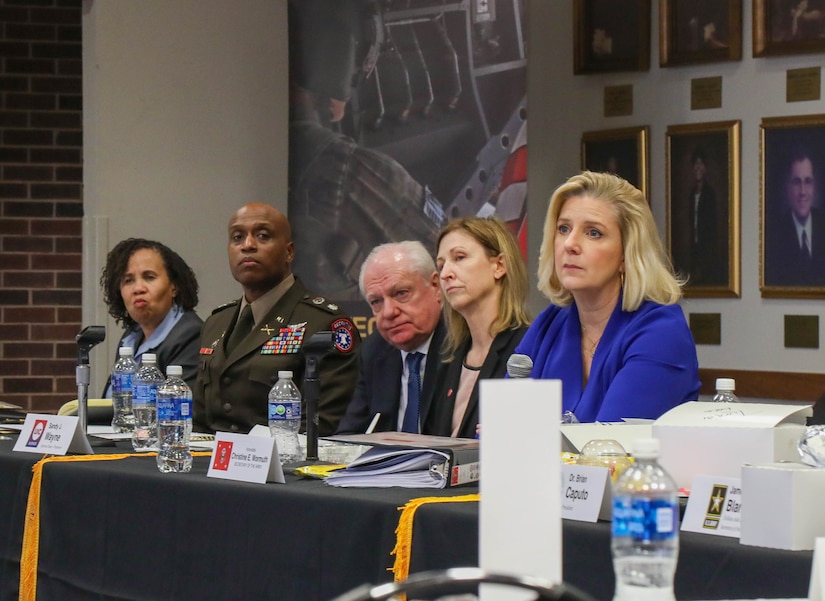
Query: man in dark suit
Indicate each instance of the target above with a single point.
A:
(400, 283)
(707, 260)
(795, 244)
(246, 342)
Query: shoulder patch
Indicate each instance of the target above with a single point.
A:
(233, 303)
(342, 334)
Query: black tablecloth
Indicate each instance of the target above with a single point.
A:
(121, 530)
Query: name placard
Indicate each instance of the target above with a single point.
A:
(52, 434)
(245, 457)
(583, 495)
(714, 506)
(815, 588)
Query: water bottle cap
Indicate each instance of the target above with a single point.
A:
(148, 358)
(725, 384)
(646, 447)
(285, 374)
(125, 351)
(174, 370)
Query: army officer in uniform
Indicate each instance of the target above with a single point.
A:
(246, 342)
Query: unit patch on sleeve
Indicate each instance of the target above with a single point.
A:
(288, 340)
(342, 330)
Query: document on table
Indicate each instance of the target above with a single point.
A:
(383, 467)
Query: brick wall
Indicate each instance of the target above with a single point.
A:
(41, 200)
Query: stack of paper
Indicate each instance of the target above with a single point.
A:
(383, 467)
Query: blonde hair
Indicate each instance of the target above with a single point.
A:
(648, 271)
(497, 240)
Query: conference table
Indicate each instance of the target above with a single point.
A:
(120, 530)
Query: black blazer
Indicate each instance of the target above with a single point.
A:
(785, 264)
(440, 417)
(180, 347)
(378, 389)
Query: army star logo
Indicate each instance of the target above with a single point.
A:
(715, 507)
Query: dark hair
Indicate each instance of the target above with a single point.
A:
(180, 274)
(698, 154)
(797, 154)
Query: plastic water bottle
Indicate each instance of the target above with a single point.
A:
(174, 422)
(645, 529)
(148, 380)
(285, 417)
(724, 391)
(123, 374)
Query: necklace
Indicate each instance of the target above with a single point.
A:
(592, 350)
(470, 367)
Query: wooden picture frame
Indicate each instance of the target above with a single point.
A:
(792, 191)
(703, 206)
(623, 152)
(611, 36)
(782, 27)
(699, 31)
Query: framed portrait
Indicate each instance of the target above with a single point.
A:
(611, 36)
(623, 152)
(788, 27)
(792, 207)
(699, 31)
(703, 197)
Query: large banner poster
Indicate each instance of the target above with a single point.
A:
(404, 114)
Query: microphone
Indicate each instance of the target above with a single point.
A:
(88, 337)
(314, 349)
(519, 366)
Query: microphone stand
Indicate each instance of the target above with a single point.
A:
(86, 339)
(318, 345)
(312, 394)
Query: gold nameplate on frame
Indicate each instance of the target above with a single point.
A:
(706, 328)
(618, 101)
(706, 93)
(803, 84)
(802, 331)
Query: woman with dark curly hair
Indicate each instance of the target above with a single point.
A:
(152, 292)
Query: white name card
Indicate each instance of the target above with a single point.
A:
(245, 457)
(583, 495)
(520, 475)
(815, 588)
(714, 506)
(52, 434)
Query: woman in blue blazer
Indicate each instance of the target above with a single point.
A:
(613, 333)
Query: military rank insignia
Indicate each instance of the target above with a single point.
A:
(288, 340)
(342, 335)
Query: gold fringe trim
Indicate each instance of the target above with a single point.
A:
(404, 531)
(31, 529)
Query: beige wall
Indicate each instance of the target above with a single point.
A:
(185, 119)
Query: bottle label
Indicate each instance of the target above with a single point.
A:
(121, 383)
(172, 409)
(145, 393)
(645, 520)
(279, 411)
